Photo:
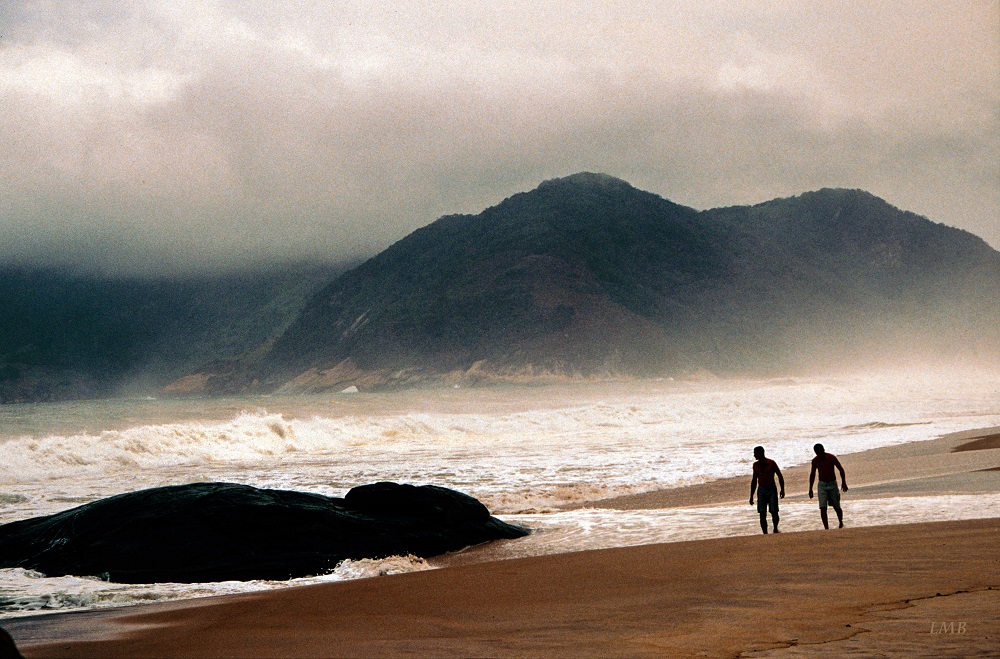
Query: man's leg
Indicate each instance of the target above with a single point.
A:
(774, 513)
(823, 495)
(833, 498)
(763, 502)
(840, 515)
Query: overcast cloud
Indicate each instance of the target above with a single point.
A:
(184, 135)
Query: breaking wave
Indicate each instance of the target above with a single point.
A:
(516, 450)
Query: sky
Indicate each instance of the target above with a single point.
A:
(175, 136)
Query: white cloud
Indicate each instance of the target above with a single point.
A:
(253, 130)
(65, 79)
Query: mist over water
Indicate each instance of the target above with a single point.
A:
(523, 451)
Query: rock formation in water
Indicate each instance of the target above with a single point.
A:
(223, 531)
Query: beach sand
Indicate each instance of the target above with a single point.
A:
(903, 590)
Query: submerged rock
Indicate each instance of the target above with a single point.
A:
(225, 531)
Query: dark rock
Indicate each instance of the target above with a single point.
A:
(225, 531)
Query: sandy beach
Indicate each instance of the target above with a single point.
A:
(929, 589)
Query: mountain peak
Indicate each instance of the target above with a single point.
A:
(589, 180)
(846, 195)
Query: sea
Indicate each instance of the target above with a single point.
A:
(526, 452)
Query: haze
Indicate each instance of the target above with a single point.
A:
(176, 136)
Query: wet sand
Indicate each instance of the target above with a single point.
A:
(903, 590)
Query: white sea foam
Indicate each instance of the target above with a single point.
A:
(24, 592)
(583, 529)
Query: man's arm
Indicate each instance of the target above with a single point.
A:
(753, 486)
(812, 479)
(843, 476)
(781, 480)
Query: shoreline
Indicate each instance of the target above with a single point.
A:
(837, 591)
(899, 470)
(964, 462)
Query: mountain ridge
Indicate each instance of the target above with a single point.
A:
(586, 276)
(67, 335)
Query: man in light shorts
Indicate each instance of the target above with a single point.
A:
(824, 463)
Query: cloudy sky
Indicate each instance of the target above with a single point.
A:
(171, 134)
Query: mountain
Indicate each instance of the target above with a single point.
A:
(583, 277)
(66, 336)
(587, 276)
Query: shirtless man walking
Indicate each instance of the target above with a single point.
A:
(764, 471)
(828, 494)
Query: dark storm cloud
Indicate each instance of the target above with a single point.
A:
(190, 135)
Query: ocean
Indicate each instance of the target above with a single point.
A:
(524, 451)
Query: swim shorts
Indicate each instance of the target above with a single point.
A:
(828, 493)
(767, 498)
